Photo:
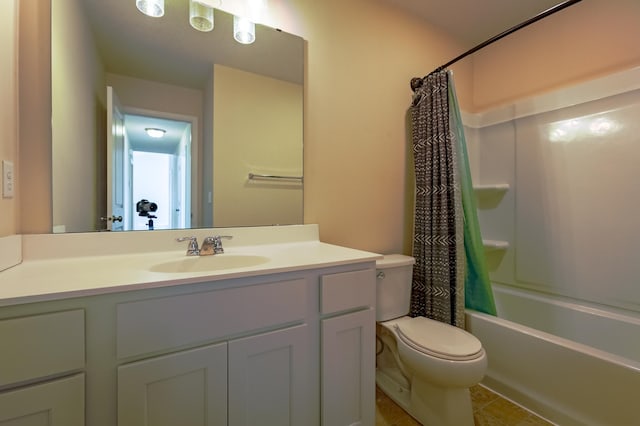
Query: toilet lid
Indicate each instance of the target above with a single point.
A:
(439, 339)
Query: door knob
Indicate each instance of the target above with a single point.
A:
(112, 218)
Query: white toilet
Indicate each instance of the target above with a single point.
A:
(425, 366)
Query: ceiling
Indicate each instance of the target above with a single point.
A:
(168, 50)
(473, 21)
(140, 141)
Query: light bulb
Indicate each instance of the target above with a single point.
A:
(200, 16)
(153, 8)
(244, 31)
(154, 132)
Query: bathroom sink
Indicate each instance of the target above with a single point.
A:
(209, 263)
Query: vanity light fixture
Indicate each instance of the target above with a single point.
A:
(244, 31)
(155, 132)
(201, 14)
(153, 8)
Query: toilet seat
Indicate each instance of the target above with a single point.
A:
(438, 339)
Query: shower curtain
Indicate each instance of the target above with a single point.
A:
(450, 272)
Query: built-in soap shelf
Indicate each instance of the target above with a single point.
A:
(491, 188)
(493, 193)
(491, 245)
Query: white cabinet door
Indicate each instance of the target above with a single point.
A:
(348, 369)
(270, 379)
(186, 388)
(56, 403)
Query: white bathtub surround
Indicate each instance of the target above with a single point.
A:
(110, 340)
(582, 362)
(563, 381)
(569, 273)
(568, 159)
(614, 332)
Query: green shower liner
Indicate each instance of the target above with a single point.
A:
(477, 285)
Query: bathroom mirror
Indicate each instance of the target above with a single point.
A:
(230, 113)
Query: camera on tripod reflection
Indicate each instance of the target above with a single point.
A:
(144, 207)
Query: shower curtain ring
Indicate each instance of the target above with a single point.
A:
(416, 83)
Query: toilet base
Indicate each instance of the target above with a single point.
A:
(430, 405)
(433, 405)
(386, 381)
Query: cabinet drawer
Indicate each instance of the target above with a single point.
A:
(347, 290)
(41, 345)
(170, 322)
(55, 403)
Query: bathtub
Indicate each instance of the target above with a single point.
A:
(568, 363)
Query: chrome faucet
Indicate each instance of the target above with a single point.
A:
(213, 245)
(192, 248)
(210, 245)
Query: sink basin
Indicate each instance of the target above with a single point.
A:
(209, 263)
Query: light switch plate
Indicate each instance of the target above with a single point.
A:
(8, 179)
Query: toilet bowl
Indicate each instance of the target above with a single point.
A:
(424, 365)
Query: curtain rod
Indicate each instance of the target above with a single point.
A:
(503, 34)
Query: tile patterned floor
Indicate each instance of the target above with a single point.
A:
(489, 409)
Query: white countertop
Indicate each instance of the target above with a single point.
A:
(54, 267)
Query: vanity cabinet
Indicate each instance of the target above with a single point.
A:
(348, 348)
(184, 388)
(255, 380)
(41, 382)
(54, 403)
(270, 377)
(262, 378)
(286, 348)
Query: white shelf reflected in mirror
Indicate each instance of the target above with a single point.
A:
(493, 245)
(491, 188)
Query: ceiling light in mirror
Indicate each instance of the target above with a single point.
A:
(244, 31)
(153, 8)
(590, 127)
(201, 15)
(155, 132)
(603, 126)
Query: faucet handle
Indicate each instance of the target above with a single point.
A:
(192, 249)
(216, 241)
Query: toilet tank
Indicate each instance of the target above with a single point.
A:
(393, 286)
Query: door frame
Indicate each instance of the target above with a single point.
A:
(116, 149)
(195, 198)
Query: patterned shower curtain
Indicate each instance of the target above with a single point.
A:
(440, 228)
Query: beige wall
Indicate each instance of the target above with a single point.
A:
(360, 57)
(34, 116)
(588, 40)
(256, 130)
(8, 108)
(78, 87)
